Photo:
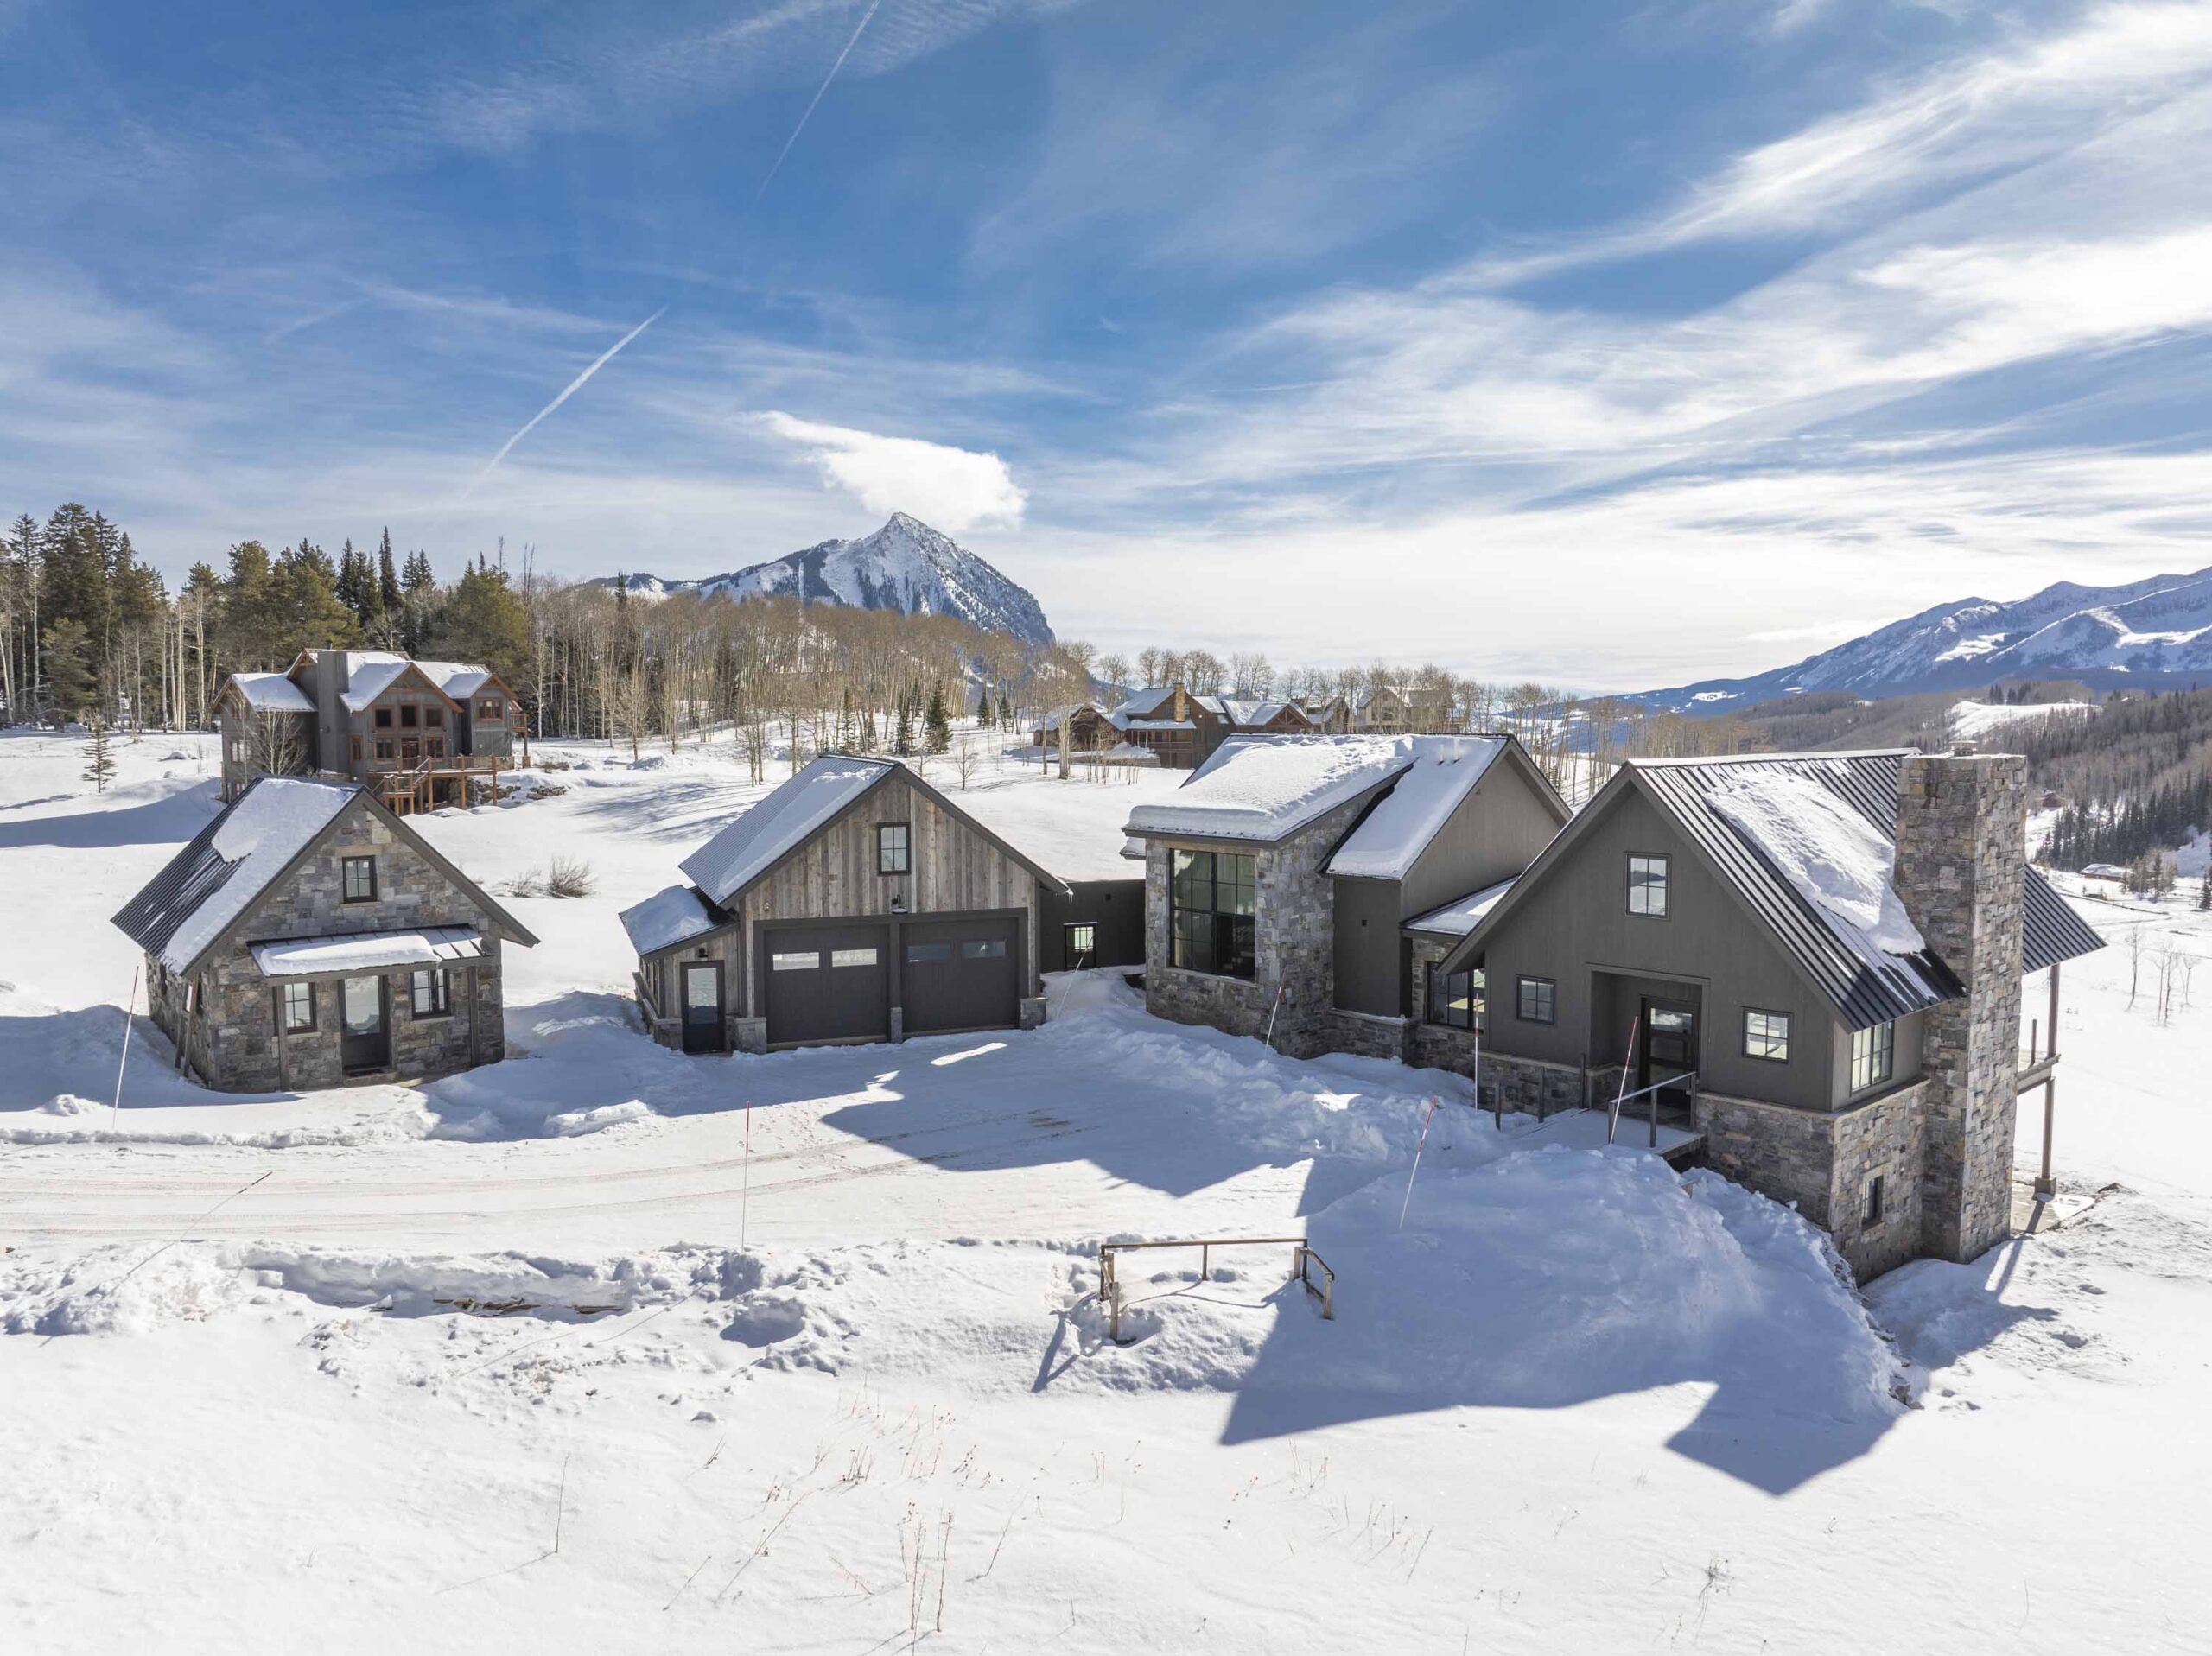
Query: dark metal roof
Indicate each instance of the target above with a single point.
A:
(1863, 992)
(175, 895)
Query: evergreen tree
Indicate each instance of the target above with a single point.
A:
(1006, 712)
(902, 735)
(485, 620)
(937, 722)
(388, 600)
(70, 687)
(418, 598)
(983, 707)
(304, 603)
(100, 764)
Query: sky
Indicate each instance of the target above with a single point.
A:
(1611, 345)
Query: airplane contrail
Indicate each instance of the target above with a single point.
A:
(818, 90)
(569, 390)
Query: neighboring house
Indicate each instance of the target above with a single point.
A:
(1090, 727)
(416, 731)
(1178, 729)
(1284, 880)
(1817, 961)
(1380, 711)
(1332, 716)
(854, 903)
(1264, 716)
(307, 937)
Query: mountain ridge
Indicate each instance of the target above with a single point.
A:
(906, 567)
(2154, 630)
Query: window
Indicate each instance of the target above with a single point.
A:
(1210, 914)
(852, 957)
(357, 750)
(1766, 1035)
(298, 1008)
(410, 747)
(434, 746)
(923, 953)
(432, 992)
(492, 708)
(1082, 942)
(983, 949)
(1874, 1056)
(795, 960)
(383, 747)
(1647, 886)
(892, 848)
(434, 718)
(359, 875)
(1873, 1201)
(1455, 999)
(407, 714)
(1538, 1001)
(384, 718)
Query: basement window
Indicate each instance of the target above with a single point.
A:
(1874, 1209)
(1874, 1056)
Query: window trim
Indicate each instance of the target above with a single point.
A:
(345, 866)
(1213, 915)
(1881, 1056)
(1068, 930)
(1788, 1031)
(284, 1008)
(1666, 885)
(1523, 984)
(906, 863)
(410, 717)
(439, 982)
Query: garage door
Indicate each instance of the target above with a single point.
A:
(827, 983)
(960, 974)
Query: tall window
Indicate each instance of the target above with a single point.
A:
(1766, 1035)
(360, 877)
(384, 718)
(1874, 1056)
(298, 1008)
(1647, 886)
(407, 714)
(1539, 1001)
(893, 848)
(433, 993)
(1210, 914)
(434, 718)
(1455, 999)
(1874, 1209)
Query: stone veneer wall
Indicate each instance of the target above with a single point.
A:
(234, 1043)
(1530, 1085)
(1960, 871)
(1295, 909)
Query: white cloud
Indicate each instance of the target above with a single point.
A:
(951, 489)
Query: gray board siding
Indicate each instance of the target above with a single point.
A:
(1371, 952)
(1505, 820)
(1714, 953)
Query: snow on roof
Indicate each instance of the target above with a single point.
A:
(1837, 860)
(458, 679)
(1463, 914)
(368, 675)
(669, 917)
(271, 693)
(747, 849)
(1240, 710)
(251, 843)
(1444, 771)
(1263, 788)
(368, 951)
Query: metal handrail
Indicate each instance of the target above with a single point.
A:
(1613, 1116)
(1302, 1254)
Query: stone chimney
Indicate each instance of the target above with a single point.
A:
(1961, 868)
(333, 677)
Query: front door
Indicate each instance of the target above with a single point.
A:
(367, 1044)
(702, 1005)
(1668, 1049)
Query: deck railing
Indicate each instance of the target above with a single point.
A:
(1304, 1261)
(1650, 1095)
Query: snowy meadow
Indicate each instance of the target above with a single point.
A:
(604, 1346)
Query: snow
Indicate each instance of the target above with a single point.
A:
(748, 848)
(1837, 861)
(1462, 915)
(1263, 788)
(368, 951)
(1972, 721)
(271, 693)
(674, 915)
(268, 826)
(1445, 770)
(540, 1357)
(1072, 828)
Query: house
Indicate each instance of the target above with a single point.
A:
(1090, 727)
(1182, 728)
(1380, 711)
(854, 903)
(1284, 882)
(1331, 715)
(416, 731)
(1815, 959)
(307, 937)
